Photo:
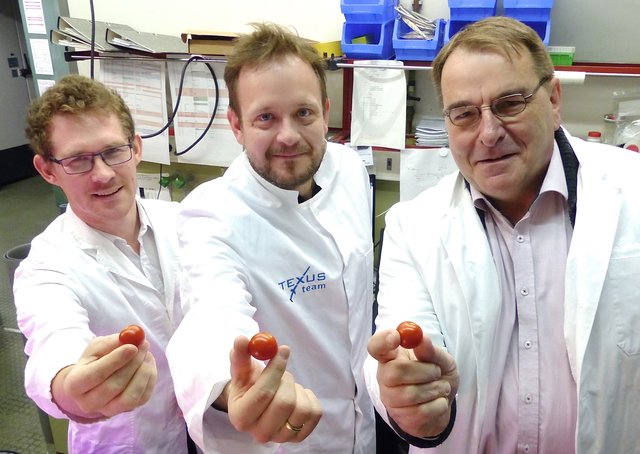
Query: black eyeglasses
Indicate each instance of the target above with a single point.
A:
(83, 163)
(505, 106)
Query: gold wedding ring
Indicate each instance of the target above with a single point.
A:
(291, 427)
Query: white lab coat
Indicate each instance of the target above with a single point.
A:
(75, 285)
(244, 244)
(438, 271)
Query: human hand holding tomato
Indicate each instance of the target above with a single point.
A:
(292, 412)
(109, 378)
(263, 346)
(410, 334)
(417, 382)
(132, 334)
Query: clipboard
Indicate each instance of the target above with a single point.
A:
(76, 32)
(154, 43)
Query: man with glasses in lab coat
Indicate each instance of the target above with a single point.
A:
(109, 261)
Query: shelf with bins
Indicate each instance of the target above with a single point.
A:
(347, 65)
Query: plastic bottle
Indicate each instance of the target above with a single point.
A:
(594, 136)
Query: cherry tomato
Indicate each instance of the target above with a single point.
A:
(410, 334)
(263, 346)
(132, 334)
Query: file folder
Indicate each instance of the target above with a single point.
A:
(145, 42)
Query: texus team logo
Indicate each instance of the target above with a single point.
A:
(306, 282)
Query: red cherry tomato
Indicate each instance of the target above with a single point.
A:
(132, 334)
(410, 334)
(263, 346)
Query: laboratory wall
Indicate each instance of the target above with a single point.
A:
(599, 34)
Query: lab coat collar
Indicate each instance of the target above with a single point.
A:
(102, 248)
(598, 212)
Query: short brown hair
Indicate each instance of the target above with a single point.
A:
(73, 95)
(269, 42)
(500, 35)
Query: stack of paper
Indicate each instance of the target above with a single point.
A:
(431, 132)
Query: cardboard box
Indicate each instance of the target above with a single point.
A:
(209, 43)
(221, 43)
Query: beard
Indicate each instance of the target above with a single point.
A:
(292, 174)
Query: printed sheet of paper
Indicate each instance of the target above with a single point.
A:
(149, 187)
(421, 168)
(365, 153)
(141, 84)
(379, 106)
(34, 16)
(41, 56)
(218, 147)
(44, 85)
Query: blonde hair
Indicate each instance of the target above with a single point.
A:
(267, 43)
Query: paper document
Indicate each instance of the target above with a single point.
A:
(218, 147)
(421, 168)
(43, 65)
(142, 86)
(149, 187)
(34, 17)
(365, 153)
(379, 105)
(431, 132)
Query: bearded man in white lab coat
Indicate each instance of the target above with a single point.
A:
(280, 243)
(523, 269)
(106, 263)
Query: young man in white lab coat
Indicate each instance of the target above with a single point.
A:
(523, 269)
(281, 243)
(107, 262)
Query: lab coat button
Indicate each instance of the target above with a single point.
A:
(524, 291)
(527, 344)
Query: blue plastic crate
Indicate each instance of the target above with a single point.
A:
(380, 46)
(416, 49)
(535, 13)
(542, 28)
(464, 12)
(528, 10)
(471, 10)
(368, 11)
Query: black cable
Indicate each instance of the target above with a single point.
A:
(159, 183)
(179, 98)
(93, 37)
(182, 75)
(213, 113)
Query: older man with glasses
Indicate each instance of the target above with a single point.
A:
(522, 268)
(107, 262)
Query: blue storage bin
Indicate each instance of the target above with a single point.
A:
(535, 13)
(368, 11)
(471, 10)
(464, 12)
(416, 49)
(528, 10)
(380, 46)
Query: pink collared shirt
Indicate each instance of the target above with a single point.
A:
(534, 398)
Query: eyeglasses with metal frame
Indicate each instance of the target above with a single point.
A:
(503, 107)
(83, 163)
